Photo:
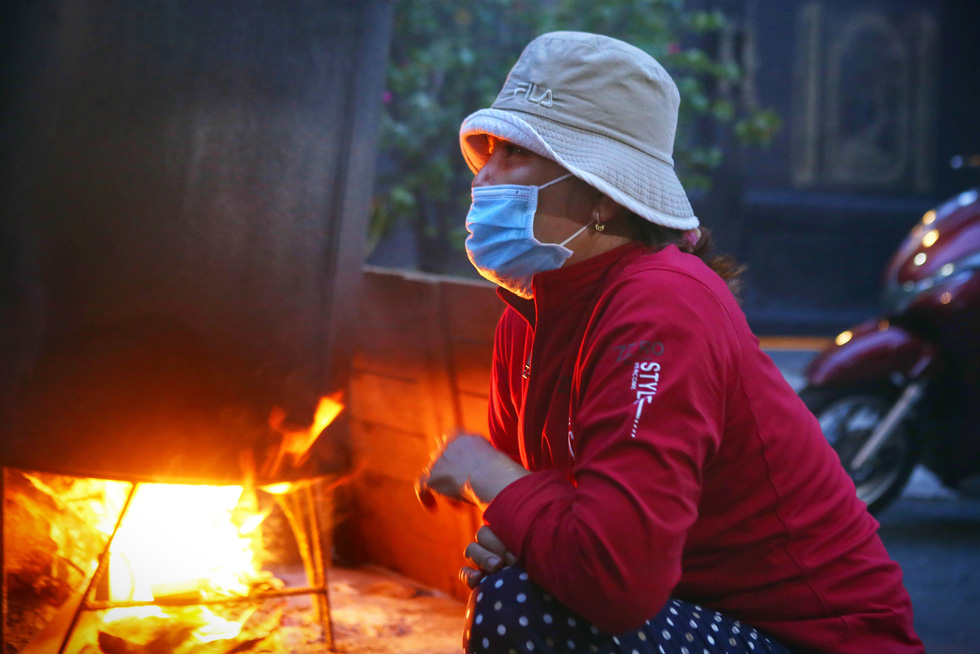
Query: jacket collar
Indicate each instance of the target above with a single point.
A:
(565, 289)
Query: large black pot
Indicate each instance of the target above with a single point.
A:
(183, 197)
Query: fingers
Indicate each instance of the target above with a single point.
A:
(471, 577)
(488, 554)
(450, 468)
(487, 561)
(489, 541)
(424, 493)
(440, 477)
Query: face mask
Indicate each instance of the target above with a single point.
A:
(501, 244)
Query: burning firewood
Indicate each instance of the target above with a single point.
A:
(51, 546)
(190, 589)
(184, 574)
(165, 639)
(179, 632)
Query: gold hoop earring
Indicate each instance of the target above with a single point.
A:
(598, 224)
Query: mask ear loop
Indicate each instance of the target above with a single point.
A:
(554, 181)
(580, 230)
(585, 226)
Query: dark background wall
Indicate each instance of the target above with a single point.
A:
(876, 97)
(183, 198)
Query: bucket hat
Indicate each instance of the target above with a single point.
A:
(603, 109)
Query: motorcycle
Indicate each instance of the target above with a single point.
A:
(904, 388)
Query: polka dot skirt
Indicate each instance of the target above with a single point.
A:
(507, 614)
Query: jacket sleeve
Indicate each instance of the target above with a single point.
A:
(655, 372)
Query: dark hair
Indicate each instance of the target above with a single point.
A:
(658, 236)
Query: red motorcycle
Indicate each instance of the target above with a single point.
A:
(904, 387)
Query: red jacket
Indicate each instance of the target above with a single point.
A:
(672, 459)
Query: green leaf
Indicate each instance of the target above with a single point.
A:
(723, 110)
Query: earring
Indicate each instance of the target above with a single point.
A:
(598, 224)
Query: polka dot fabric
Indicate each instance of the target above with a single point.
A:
(507, 614)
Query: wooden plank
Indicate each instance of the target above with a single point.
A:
(434, 334)
(472, 362)
(391, 299)
(471, 308)
(422, 368)
(387, 401)
(395, 531)
(391, 350)
(393, 501)
(420, 560)
(396, 453)
(474, 413)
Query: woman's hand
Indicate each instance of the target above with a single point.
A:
(488, 554)
(468, 469)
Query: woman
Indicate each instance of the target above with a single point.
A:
(653, 484)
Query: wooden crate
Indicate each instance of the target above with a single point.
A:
(421, 368)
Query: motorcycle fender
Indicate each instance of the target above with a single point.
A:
(875, 351)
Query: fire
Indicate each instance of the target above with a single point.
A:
(296, 443)
(180, 536)
(184, 568)
(179, 546)
(181, 542)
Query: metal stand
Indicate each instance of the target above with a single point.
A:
(300, 508)
(302, 512)
(99, 570)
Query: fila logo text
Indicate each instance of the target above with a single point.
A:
(531, 93)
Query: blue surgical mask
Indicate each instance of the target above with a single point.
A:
(501, 244)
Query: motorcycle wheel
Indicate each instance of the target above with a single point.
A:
(848, 416)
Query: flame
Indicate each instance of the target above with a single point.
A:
(278, 489)
(185, 542)
(196, 543)
(296, 443)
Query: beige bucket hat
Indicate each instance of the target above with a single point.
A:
(603, 109)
